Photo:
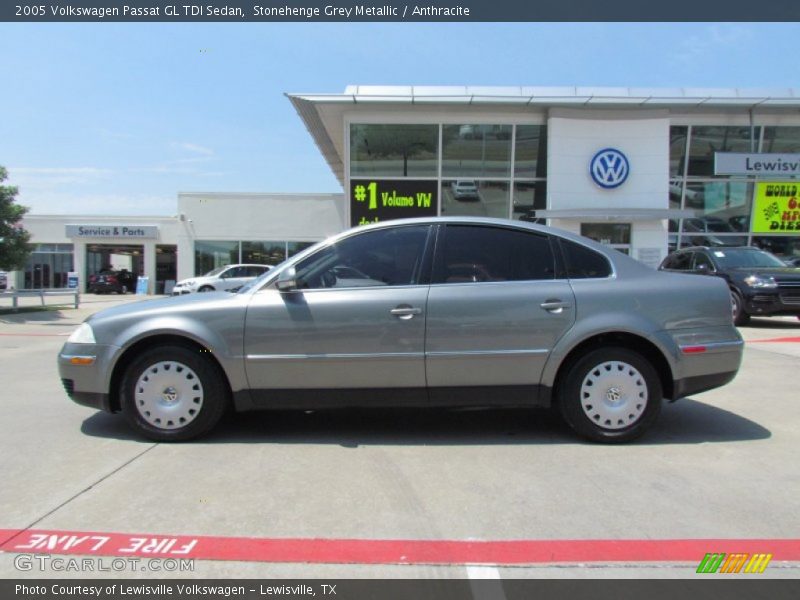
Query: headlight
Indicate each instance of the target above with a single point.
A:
(82, 335)
(756, 281)
(188, 283)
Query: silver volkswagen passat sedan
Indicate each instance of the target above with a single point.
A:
(446, 312)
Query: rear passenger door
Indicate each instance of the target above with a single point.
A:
(495, 311)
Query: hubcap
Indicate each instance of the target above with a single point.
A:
(168, 395)
(614, 395)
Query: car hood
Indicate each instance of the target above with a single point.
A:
(172, 304)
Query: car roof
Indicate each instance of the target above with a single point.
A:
(617, 259)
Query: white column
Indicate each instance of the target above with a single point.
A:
(150, 265)
(185, 257)
(79, 263)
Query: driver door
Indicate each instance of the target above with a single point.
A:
(355, 322)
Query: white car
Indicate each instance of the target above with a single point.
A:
(228, 277)
(464, 190)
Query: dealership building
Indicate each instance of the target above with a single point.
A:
(642, 170)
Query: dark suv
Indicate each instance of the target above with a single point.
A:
(760, 283)
(109, 280)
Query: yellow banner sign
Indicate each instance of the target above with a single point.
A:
(777, 208)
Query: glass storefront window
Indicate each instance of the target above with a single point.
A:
(297, 247)
(209, 255)
(611, 234)
(530, 152)
(394, 150)
(47, 266)
(722, 211)
(781, 140)
(469, 197)
(705, 141)
(785, 247)
(476, 150)
(529, 196)
(677, 149)
(726, 200)
(263, 253)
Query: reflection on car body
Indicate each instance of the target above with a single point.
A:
(452, 312)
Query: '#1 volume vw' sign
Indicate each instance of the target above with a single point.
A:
(374, 200)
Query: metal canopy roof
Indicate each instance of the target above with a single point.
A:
(582, 96)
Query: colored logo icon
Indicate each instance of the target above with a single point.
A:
(734, 563)
(609, 168)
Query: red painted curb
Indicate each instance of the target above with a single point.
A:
(780, 339)
(312, 550)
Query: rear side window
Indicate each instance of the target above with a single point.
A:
(584, 263)
(475, 254)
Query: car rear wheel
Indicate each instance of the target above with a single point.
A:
(610, 395)
(173, 393)
(740, 316)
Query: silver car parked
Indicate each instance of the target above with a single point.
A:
(450, 312)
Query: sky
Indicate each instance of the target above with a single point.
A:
(117, 118)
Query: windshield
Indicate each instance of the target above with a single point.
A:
(216, 271)
(746, 257)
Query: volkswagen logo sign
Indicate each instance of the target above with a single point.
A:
(609, 168)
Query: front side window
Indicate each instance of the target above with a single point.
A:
(479, 254)
(384, 257)
(701, 261)
(680, 262)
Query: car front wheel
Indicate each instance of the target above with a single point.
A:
(173, 393)
(610, 395)
(206, 288)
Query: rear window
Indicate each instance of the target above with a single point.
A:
(583, 263)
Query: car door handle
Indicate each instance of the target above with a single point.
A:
(405, 312)
(555, 306)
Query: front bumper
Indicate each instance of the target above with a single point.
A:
(182, 290)
(88, 383)
(773, 302)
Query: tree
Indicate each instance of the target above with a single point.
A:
(14, 246)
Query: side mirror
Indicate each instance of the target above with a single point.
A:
(287, 280)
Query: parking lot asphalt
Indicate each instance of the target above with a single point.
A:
(376, 493)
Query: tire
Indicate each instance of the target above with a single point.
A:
(610, 395)
(740, 316)
(206, 288)
(173, 393)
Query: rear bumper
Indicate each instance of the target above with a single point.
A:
(702, 383)
(702, 358)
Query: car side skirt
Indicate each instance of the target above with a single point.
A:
(319, 399)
